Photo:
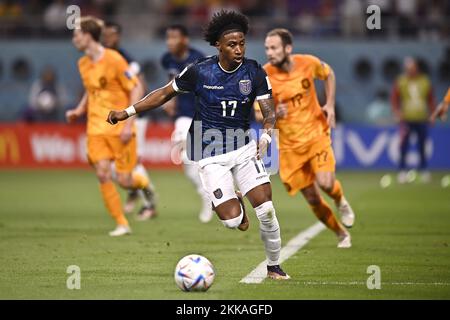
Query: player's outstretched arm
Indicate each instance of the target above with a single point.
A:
(440, 112)
(330, 91)
(151, 101)
(73, 114)
(268, 112)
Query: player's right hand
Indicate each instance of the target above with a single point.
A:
(116, 116)
(72, 115)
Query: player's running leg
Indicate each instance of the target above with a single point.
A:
(324, 213)
(323, 166)
(331, 186)
(253, 181)
(217, 180)
(191, 171)
(261, 199)
(111, 198)
(126, 160)
(140, 182)
(147, 194)
(132, 194)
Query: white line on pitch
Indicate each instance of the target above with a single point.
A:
(295, 244)
(362, 283)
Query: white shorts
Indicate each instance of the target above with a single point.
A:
(141, 129)
(219, 174)
(179, 137)
(182, 125)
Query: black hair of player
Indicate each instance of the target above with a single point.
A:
(179, 27)
(223, 21)
(117, 27)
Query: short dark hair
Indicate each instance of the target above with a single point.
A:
(224, 21)
(93, 26)
(179, 27)
(115, 25)
(284, 34)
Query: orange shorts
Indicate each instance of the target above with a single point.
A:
(111, 148)
(298, 167)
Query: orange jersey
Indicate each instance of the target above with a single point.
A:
(447, 96)
(305, 122)
(108, 86)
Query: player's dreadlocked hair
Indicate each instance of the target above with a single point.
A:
(222, 22)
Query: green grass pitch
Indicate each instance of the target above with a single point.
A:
(52, 219)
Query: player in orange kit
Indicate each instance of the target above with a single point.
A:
(107, 85)
(306, 157)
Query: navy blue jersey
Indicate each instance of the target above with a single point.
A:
(224, 102)
(134, 69)
(125, 55)
(186, 102)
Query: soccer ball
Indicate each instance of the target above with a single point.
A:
(194, 273)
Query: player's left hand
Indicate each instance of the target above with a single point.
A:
(328, 109)
(116, 116)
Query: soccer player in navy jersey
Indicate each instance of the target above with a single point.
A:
(182, 108)
(225, 86)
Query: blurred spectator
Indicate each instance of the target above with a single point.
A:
(434, 18)
(316, 18)
(328, 14)
(55, 16)
(412, 102)
(353, 22)
(10, 9)
(108, 7)
(407, 17)
(47, 98)
(178, 8)
(379, 110)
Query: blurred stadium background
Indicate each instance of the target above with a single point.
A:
(34, 41)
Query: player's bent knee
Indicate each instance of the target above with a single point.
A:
(267, 216)
(326, 184)
(125, 181)
(103, 176)
(233, 223)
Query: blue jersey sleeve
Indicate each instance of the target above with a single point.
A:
(126, 55)
(186, 80)
(263, 88)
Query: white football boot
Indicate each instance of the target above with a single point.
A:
(344, 240)
(120, 230)
(402, 177)
(425, 177)
(346, 212)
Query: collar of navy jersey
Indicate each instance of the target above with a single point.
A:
(218, 62)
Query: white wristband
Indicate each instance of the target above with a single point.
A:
(131, 111)
(267, 137)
